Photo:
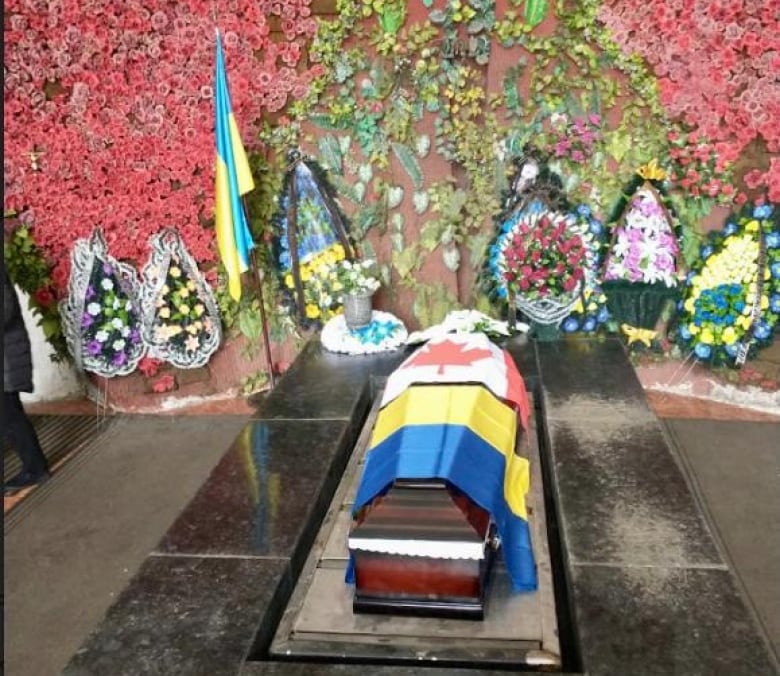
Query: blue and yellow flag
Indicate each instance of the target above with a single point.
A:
(233, 179)
(466, 436)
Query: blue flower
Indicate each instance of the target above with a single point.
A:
(689, 277)
(764, 211)
(596, 227)
(589, 325)
(703, 351)
(774, 303)
(706, 251)
(762, 331)
(775, 270)
(731, 350)
(583, 210)
(730, 228)
(773, 240)
(603, 315)
(570, 325)
(685, 332)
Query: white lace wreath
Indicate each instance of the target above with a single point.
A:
(385, 333)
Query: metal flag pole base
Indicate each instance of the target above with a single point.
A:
(259, 278)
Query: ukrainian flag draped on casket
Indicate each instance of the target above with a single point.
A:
(456, 420)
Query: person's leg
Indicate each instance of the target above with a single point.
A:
(22, 437)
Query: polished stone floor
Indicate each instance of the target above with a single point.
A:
(208, 594)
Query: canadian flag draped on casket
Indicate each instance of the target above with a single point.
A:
(450, 417)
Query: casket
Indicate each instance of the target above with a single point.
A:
(422, 548)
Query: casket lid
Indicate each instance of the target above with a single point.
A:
(426, 518)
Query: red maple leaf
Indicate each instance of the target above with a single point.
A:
(448, 354)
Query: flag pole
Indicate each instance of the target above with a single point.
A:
(259, 276)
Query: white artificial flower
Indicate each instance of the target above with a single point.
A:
(125, 331)
(116, 304)
(118, 345)
(107, 284)
(93, 309)
(117, 323)
(101, 336)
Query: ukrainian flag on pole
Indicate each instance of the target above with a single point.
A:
(233, 179)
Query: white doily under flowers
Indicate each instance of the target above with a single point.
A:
(385, 333)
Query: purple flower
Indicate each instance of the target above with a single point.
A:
(86, 320)
(108, 269)
(91, 292)
(94, 348)
(119, 359)
(135, 336)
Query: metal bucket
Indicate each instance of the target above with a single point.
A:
(357, 310)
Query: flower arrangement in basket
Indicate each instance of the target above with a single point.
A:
(732, 301)
(641, 268)
(541, 262)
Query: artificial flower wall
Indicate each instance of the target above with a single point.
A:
(415, 108)
(717, 63)
(108, 112)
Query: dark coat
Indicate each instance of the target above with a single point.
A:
(17, 359)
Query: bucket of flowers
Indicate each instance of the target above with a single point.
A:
(353, 284)
(541, 261)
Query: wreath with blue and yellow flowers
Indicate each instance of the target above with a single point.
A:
(732, 301)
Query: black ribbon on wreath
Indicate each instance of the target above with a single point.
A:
(310, 232)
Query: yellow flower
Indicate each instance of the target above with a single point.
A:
(190, 285)
(192, 329)
(693, 328)
(184, 309)
(165, 289)
(752, 226)
(690, 305)
(174, 331)
(305, 274)
(706, 337)
(764, 302)
(174, 272)
(199, 309)
(743, 320)
(184, 292)
(312, 311)
(729, 335)
(289, 282)
(165, 312)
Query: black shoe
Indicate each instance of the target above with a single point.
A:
(24, 480)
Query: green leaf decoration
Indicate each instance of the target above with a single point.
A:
(511, 94)
(331, 153)
(535, 12)
(323, 121)
(395, 195)
(249, 323)
(405, 261)
(430, 235)
(346, 189)
(618, 144)
(370, 216)
(420, 200)
(392, 17)
(409, 162)
(397, 241)
(365, 173)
